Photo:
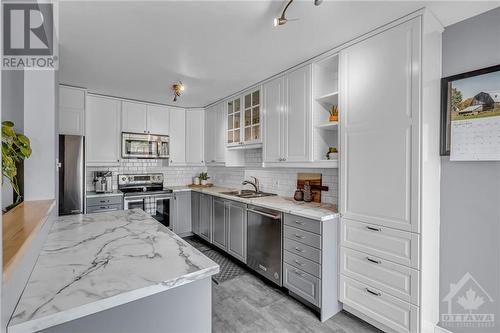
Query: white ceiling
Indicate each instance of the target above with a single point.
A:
(137, 49)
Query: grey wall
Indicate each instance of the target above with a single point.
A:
(470, 191)
(13, 110)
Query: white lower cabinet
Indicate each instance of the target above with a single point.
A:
(388, 310)
(399, 246)
(398, 280)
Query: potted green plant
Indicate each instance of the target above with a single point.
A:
(15, 148)
(204, 178)
(332, 153)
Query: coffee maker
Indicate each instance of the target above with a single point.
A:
(103, 181)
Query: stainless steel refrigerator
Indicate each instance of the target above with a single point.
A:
(71, 174)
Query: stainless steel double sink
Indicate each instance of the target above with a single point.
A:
(248, 194)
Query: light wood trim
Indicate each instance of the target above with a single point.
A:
(20, 226)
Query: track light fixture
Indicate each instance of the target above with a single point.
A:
(282, 19)
(178, 88)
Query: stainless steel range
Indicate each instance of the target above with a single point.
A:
(146, 191)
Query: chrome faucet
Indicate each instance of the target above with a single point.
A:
(255, 184)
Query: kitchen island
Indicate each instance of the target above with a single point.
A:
(118, 271)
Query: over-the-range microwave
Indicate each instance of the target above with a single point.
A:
(138, 145)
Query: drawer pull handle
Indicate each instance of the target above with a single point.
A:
(299, 249)
(102, 201)
(373, 292)
(298, 273)
(298, 236)
(373, 260)
(299, 222)
(373, 228)
(298, 262)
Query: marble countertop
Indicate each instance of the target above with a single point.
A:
(93, 194)
(90, 263)
(316, 211)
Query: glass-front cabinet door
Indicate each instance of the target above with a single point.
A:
(233, 122)
(251, 113)
(243, 119)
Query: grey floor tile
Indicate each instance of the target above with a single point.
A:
(248, 304)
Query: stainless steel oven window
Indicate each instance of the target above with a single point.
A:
(162, 212)
(132, 203)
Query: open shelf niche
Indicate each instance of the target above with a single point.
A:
(325, 95)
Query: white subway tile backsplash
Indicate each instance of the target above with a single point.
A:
(282, 181)
(174, 176)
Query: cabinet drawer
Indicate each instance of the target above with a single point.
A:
(378, 305)
(302, 284)
(397, 280)
(301, 263)
(103, 208)
(398, 246)
(302, 236)
(303, 223)
(104, 200)
(303, 250)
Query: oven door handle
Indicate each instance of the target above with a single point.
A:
(134, 199)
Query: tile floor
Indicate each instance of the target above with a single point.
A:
(245, 303)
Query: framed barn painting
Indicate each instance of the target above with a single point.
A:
(470, 115)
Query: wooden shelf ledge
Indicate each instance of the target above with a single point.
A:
(20, 226)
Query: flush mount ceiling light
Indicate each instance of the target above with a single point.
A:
(178, 88)
(282, 19)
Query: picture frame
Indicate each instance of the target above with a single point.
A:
(446, 103)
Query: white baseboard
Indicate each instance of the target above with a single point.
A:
(439, 329)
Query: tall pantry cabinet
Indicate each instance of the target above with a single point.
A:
(389, 158)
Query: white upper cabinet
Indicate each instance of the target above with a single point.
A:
(273, 109)
(220, 133)
(177, 136)
(71, 110)
(215, 134)
(158, 118)
(287, 113)
(210, 134)
(195, 136)
(134, 117)
(297, 143)
(102, 134)
(379, 128)
(145, 118)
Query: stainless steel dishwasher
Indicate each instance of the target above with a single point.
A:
(264, 243)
